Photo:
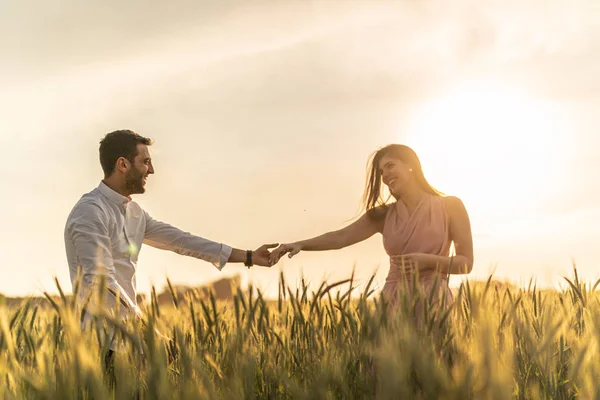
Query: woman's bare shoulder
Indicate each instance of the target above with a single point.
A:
(453, 203)
(377, 215)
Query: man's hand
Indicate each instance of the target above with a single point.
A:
(290, 248)
(261, 255)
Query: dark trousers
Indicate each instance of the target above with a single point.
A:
(109, 367)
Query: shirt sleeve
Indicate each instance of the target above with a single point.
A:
(88, 230)
(167, 237)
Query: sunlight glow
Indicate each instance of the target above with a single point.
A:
(496, 147)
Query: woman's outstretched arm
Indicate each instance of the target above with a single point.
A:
(362, 229)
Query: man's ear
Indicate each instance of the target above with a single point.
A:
(123, 164)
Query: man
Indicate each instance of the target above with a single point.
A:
(106, 228)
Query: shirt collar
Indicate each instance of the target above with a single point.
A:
(113, 196)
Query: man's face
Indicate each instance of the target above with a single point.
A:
(135, 178)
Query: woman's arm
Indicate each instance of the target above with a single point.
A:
(360, 230)
(460, 234)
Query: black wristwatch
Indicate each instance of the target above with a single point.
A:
(248, 262)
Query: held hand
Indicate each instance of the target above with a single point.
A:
(291, 248)
(261, 255)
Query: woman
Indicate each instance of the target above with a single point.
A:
(418, 228)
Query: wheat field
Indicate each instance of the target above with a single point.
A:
(496, 341)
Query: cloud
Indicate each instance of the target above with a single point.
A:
(373, 46)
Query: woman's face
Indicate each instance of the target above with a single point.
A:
(395, 174)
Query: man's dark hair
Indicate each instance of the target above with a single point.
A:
(121, 143)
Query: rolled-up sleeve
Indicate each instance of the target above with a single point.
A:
(88, 232)
(167, 237)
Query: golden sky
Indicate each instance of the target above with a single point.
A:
(264, 115)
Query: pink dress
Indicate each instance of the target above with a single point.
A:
(425, 230)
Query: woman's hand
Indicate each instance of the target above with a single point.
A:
(291, 248)
(420, 261)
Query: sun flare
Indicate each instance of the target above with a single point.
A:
(494, 146)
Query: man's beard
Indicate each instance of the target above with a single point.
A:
(133, 182)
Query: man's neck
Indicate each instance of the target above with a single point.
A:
(116, 187)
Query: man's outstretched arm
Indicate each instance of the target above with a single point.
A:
(161, 235)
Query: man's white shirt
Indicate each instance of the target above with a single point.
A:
(104, 234)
